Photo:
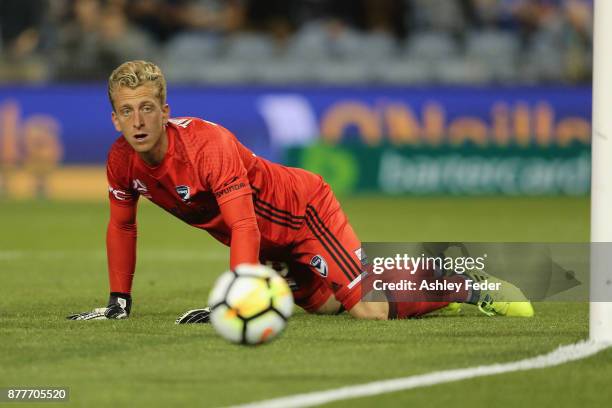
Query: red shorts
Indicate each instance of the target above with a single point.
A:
(325, 259)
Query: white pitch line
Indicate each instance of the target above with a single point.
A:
(559, 356)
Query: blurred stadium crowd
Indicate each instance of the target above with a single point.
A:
(296, 41)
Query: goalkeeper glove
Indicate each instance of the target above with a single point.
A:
(194, 316)
(119, 306)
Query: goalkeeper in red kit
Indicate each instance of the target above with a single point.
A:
(265, 212)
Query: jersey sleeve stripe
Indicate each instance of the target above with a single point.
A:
(275, 221)
(265, 210)
(272, 207)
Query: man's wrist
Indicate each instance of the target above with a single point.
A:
(124, 300)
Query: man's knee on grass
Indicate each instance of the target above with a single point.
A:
(370, 311)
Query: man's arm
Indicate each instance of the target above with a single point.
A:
(120, 241)
(223, 171)
(239, 215)
(121, 247)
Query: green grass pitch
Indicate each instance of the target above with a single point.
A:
(52, 263)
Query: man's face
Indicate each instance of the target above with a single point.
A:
(141, 118)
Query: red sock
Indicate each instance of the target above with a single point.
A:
(406, 310)
(407, 304)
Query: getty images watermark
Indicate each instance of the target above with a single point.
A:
(440, 271)
(452, 271)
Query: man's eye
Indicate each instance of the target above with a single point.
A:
(125, 112)
(147, 109)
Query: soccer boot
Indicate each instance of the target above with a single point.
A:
(507, 301)
(451, 309)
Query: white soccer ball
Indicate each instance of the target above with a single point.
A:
(250, 304)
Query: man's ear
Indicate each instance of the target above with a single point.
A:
(165, 113)
(115, 122)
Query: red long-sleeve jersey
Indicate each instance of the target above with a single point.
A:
(210, 181)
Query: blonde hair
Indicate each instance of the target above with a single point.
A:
(134, 74)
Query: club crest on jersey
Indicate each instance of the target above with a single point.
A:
(184, 192)
(319, 264)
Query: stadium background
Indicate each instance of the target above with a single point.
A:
(481, 108)
(464, 97)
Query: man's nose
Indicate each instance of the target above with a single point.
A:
(138, 120)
